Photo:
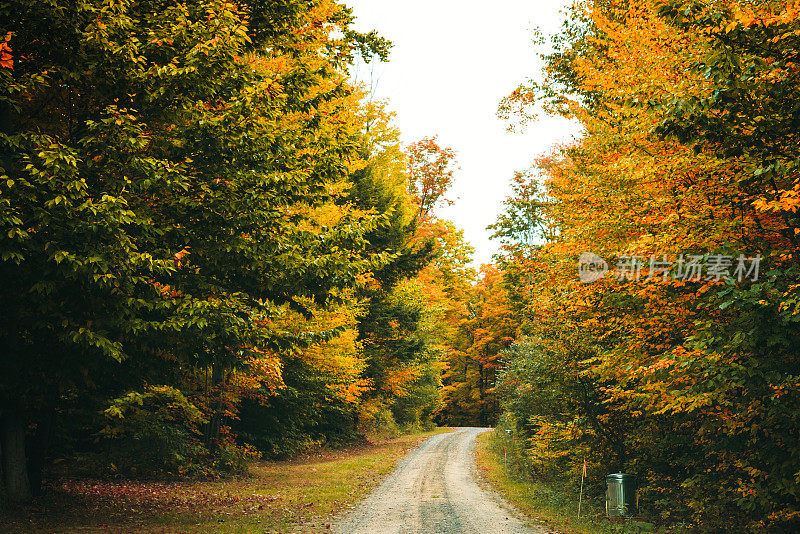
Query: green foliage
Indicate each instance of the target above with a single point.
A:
(377, 423)
(153, 433)
(634, 527)
(174, 178)
(189, 194)
(301, 416)
(522, 222)
(397, 327)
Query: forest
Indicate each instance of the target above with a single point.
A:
(689, 153)
(215, 247)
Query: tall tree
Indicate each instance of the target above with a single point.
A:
(163, 171)
(430, 174)
(687, 110)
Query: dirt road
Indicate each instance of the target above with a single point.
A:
(434, 491)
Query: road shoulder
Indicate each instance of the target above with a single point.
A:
(518, 494)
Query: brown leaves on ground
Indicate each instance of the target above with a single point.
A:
(127, 505)
(171, 497)
(293, 495)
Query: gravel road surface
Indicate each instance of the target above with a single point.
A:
(433, 491)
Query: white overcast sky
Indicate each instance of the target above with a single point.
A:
(451, 64)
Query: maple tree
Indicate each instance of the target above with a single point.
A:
(175, 183)
(402, 344)
(689, 147)
(213, 244)
(430, 174)
(485, 327)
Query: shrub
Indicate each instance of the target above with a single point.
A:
(155, 433)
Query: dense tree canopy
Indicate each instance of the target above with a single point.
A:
(215, 246)
(690, 114)
(203, 245)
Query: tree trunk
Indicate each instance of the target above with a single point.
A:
(215, 420)
(482, 393)
(36, 452)
(15, 467)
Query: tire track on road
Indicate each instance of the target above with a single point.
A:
(434, 491)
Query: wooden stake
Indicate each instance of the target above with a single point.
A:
(580, 496)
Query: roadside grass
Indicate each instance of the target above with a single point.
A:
(298, 496)
(555, 509)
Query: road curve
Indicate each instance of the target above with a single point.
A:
(433, 491)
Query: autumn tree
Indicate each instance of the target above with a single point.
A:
(173, 180)
(688, 149)
(394, 349)
(430, 174)
(485, 328)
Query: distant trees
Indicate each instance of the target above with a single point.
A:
(485, 327)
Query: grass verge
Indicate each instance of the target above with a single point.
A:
(553, 508)
(292, 496)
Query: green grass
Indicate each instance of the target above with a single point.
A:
(291, 496)
(555, 508)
